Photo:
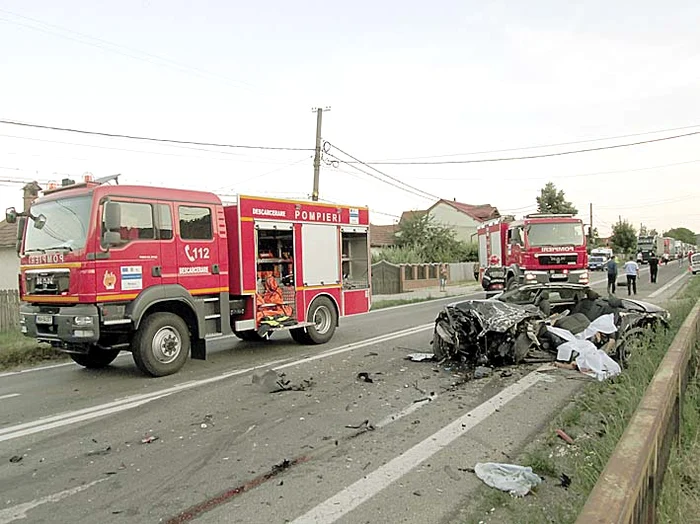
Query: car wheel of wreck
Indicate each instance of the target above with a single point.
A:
(629, 344)
(439, 349)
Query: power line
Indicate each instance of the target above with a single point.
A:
(544, 155)
(545, 145)
(403, 185)
(149, 139)
(579, 175)
(164, 62)
(267, 173)
(141, 151)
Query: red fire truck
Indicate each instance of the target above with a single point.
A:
(538, 248)
(165, 273)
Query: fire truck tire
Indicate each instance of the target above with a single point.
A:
(161, 344)
(96, 358)
(324, 318)
(300, 336)
(511, 284)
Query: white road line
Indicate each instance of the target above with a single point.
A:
(44, 368)
(20, 511)
(72, 417)
(667, 286)
(10, 395)
(359, 492)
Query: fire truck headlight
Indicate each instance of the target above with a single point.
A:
(530, 276)
(84, 333)
(82, 321)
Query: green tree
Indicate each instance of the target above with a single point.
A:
(552, 200)
(432, 242)
(624, 237)
(681, 233)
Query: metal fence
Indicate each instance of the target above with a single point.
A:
(9, 309)
(628, 490)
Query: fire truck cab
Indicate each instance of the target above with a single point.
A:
(166, 273)
(537, 248)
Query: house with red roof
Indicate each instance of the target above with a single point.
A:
(464, 219)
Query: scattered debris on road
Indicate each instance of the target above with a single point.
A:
(273, 382)
(482, 372)
(420, 357)
(16, 458)
(516, 480)
(149, 439)
(362, 425)
(364, 377)
(97, 452)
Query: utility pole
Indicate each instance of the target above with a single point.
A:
(317, 156)
(590, 224)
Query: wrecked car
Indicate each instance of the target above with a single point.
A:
(511, 327)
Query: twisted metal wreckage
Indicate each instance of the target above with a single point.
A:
(481, 332)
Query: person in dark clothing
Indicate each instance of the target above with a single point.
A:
(611, 266)
(653, 267)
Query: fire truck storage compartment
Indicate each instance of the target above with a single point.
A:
(275, 257)
(355, 257)
(355, 269)
(320, 258)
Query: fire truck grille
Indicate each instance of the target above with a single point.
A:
(557, 260)
(47, 282)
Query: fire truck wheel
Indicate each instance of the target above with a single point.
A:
(300, 336)
(161, 344)
(511, 284)
(96, 358)
(324, 318)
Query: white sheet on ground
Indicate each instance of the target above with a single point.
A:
(516, 480)
(590, 360)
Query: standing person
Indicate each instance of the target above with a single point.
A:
(665, 258)
(611, 266)
(653, 266)
(632, 272)
(443, 277)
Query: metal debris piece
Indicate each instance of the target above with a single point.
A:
(149, 439)
(97, 452)
(420, 357)
(364, 376)
(16, 458)
(565, 481)
(363, 425)
(565, 437)
(506, 374)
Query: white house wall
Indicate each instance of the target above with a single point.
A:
(9, 268)
(463, 225)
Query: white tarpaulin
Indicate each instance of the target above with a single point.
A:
(590, 360)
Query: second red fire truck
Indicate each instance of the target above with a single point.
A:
(537, 248)
(168, 273)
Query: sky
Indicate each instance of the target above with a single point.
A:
(403, 80)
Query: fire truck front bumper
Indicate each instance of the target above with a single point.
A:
(61, 326)
(577, 276)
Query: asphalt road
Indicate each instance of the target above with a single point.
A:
(213, 445)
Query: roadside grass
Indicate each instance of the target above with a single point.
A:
(16, 349)
(596, 419)
(680, 493)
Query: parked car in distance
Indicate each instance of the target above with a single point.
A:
(695, 263)
(596, 263)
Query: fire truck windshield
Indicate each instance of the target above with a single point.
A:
(555, 234)
(65, 227)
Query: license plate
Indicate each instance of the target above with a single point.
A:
(44, 319)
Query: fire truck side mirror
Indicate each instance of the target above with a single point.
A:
(21, 222)
(11, 215)
(112, 216)
(40, 221)
(112, 223)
